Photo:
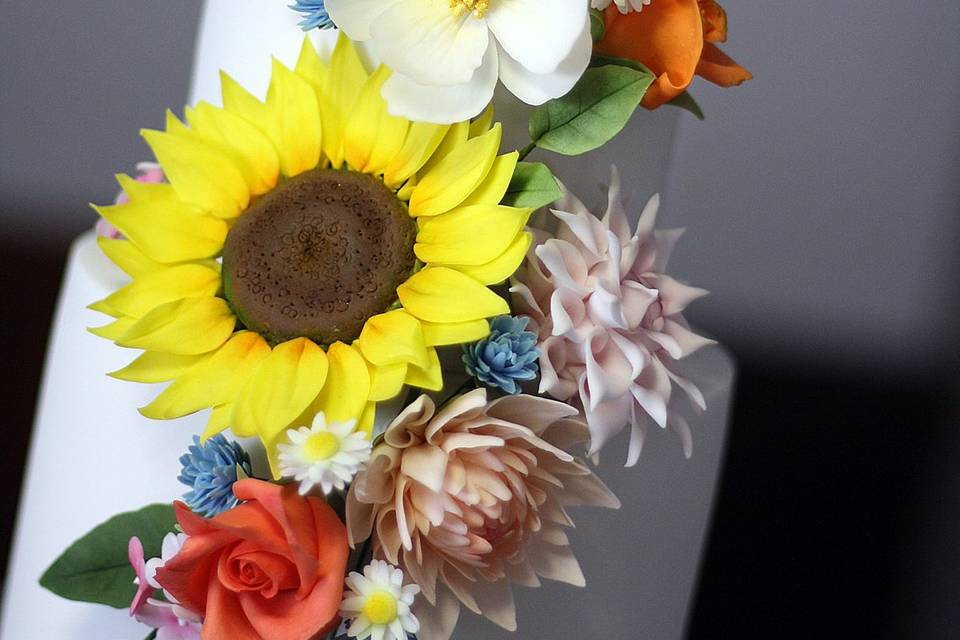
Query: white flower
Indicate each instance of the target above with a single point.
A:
(625, 6)
(328, 455)
(448, 54)
(171, 545)
(377, 604)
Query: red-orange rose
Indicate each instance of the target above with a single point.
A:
(674, 39)
(271, 568)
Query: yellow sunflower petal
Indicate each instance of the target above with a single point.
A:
(309, 65)
(185, 327)
(138, 191)
(470, 235)
(257, 158)
(125, 255)
(168, 231)
(421, 142)
(242, 102)
(164, 285)
(393, 337)
(456, 176)
(102, 306)
(501, 267)
(345, 79)
(482, 123)
(115, 329)
(494, 186)
(295, 120)
(285, 384)
(429, 377)
(218, 421)
(200, 173)
(214, 381)
(346, 392)
(456, 135)
(439, 294)
(153, 366)
(367, 418)
(386, 380)
(373, 137)
(441, 334)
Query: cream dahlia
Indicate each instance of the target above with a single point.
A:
(609, 319)
(471, 498)
(448, 54)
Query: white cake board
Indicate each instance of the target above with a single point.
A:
(92, 455)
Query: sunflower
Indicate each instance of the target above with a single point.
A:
(310, 252)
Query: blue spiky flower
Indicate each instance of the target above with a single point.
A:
(315, 14)
(505, 357)
(210, 469)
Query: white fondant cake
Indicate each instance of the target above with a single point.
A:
(92, 455)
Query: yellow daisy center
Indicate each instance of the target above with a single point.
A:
(317, 256)
(381, 608)
(321, 446)
(477, 7)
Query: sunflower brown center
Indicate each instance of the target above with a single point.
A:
(317, 256)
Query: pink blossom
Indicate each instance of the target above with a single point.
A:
(609, 319)
(171, 621)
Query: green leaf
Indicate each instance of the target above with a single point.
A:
(597, 26)
(594, 111)
(686, 102)
(533, 185)
(602, 61)
(95, 567)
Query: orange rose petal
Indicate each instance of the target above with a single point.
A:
(229, 620)
(719, 68)
(666, 37)
(714, 21)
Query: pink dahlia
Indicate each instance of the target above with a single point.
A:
(471, 498)
(609, 319)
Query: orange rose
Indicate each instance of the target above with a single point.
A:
(674, 39)
(271, 568)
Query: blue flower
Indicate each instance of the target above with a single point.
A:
(505, 357)
(210, 470)
(315, 14)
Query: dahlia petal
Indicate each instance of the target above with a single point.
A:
(423, 139)
(415, 35)
(636, 299)
(675, 295)
(681, 427)
(501, 267)
(653, 404)
(589, 490)
(565, 265)
(185, 327)
(153, 366)
(392, 338)
(470, 235)
(373, 137)
(453, 179)
(495, 600)
(200, 174)
(536, 88)
(665, 241)
(606, 418)
(648, 218)
(688, 341)
(495, 185)
(443, 104)
(582, 228)
(153, 289)
(638, 434)
(345, 395)
(438, 621)
(167, 231)
(538, 34)
(214, 381)
(568, 314)
(608, 369)
(615, 217)
(439, 294)
(557, 563)
(283, 386)
(535, 413)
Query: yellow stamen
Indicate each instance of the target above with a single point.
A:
(321, 446)
(381, 608)
(478, 7)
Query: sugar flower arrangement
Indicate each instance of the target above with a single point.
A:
(342, 276)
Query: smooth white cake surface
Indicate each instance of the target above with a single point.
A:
(92, 455)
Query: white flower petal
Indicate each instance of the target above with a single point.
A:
(536, 88)
(424, 41)
(419, 102)
(539, 34)
(354, 17)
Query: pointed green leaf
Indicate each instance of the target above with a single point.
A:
(594, 111)
(686, 102)
(95, 567)
(533, 185)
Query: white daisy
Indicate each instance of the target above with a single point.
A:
(377, 605)
(328, 455)
(625, 6)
